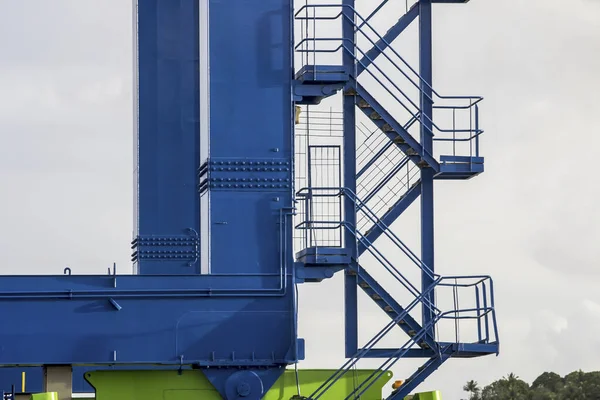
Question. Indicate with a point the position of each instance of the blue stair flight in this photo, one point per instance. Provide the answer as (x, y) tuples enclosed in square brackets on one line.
[(451, 152)]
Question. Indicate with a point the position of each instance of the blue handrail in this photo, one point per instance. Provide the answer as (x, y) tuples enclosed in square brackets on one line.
[(370, 345), (309, 193), (387, 264), (418, 114), (378, 8), (375, 11), (393, 359), (386, 179), (474, 100), (381, 151), (365, 22), (390, 361), (480, 312)]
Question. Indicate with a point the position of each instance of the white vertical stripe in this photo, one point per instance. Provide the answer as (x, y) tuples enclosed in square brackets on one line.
[(204, 79), (135, 54), (204, 83)]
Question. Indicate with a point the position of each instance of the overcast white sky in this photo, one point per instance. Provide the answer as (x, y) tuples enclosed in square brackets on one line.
[(530, 220)]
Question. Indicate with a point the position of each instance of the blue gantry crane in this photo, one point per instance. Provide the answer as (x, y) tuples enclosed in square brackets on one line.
[(238, 201)]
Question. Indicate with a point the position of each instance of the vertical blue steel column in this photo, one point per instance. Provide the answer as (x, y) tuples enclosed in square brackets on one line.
[(427, 208), (166, 206), (351, 287)]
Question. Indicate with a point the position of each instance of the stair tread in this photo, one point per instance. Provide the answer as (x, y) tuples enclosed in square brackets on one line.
[(365, 101), (389, 305)]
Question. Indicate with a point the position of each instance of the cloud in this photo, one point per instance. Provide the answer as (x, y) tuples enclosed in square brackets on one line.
[(530, 221)]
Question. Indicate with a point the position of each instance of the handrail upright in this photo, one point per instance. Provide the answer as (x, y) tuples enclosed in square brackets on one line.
[(473, 100)]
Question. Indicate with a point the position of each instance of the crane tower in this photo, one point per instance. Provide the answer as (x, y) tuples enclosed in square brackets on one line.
[(246, 187)]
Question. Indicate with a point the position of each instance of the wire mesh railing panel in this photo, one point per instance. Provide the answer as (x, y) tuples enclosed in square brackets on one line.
[(318, 155), (324, 166), (393, 81), (320, 123), (384, 175)]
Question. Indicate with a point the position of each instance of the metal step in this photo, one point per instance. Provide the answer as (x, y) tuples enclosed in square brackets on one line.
[(386, 302), (368, 105), (422, 373)]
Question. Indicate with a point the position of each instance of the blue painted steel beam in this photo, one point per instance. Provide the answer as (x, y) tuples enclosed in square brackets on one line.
[(419, 376), (166, 201), (90, 287), (171, 313), (350, 313), (349, 181), (147, 319), (382, 44), (427, 174)]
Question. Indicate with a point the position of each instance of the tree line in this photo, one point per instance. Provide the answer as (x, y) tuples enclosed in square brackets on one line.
[(577, 385)]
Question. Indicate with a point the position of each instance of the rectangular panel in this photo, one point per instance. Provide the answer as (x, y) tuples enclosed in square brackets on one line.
[(325, 208), (168, 143), (251, 121)]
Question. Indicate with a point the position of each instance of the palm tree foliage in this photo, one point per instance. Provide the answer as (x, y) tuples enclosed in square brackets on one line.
[(577, 385)]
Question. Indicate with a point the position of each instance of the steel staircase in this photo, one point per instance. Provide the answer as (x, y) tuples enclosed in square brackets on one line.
[(420, 343), (390, 127), (387, 303), (387, 183)]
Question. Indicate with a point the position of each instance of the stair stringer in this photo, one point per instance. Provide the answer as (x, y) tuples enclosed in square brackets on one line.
[(389, 126), (422, 373), (390, 306)]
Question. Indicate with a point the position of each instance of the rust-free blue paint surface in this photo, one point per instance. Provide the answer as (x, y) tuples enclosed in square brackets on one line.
[(242, 313)]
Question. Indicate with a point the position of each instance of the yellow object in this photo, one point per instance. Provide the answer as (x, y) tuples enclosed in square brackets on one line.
[(397, 384), (298, 111), (45, 396), (23, 382)]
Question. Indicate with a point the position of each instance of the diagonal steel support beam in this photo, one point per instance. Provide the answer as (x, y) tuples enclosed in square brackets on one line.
[(389, 217), (388, 38)]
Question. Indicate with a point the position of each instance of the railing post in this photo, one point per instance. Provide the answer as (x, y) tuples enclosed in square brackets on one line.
[(478, 305), (477, 130), (427, 174), (349, 181), (487, 314)]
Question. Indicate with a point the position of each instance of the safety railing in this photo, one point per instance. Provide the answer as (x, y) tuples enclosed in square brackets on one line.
[(312, 226), (461, 126), (319, 123), (480, 289), (374, 147), (456, 312), (384, 186), (408, 4), (385, 173), (482, 312), (483, 294), (316, 228), (351, 362)]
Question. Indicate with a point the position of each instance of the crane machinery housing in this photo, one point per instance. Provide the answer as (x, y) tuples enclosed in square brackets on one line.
[(240, 197)]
